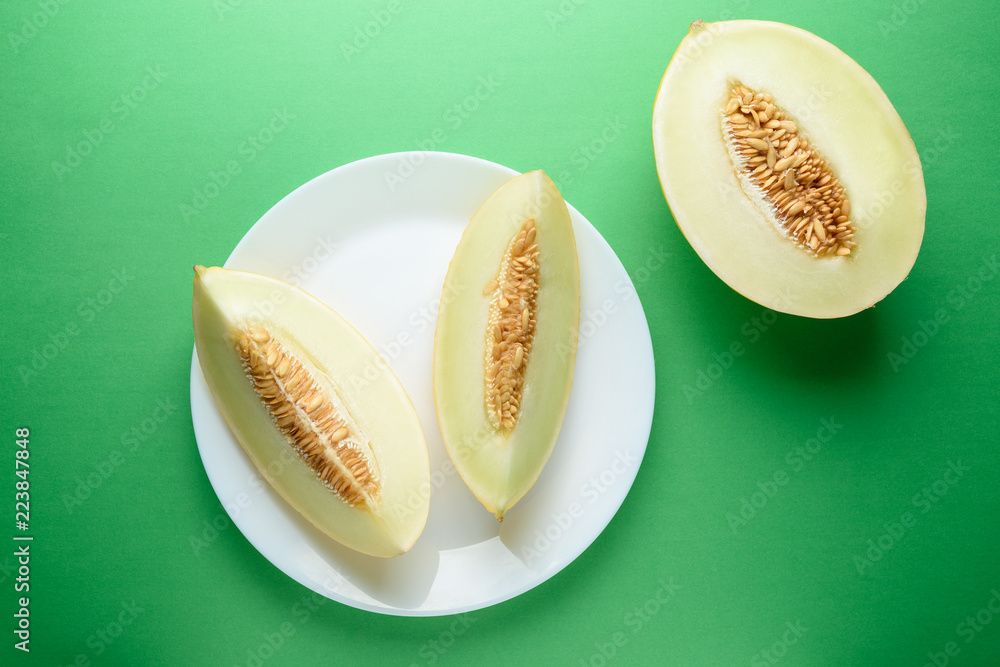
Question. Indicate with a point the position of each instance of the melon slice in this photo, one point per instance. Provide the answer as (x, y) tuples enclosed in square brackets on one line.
[(505, 342), (288, 374), (787, 168)]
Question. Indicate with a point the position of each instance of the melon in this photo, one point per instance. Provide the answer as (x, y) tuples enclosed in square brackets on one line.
[(787, 169)]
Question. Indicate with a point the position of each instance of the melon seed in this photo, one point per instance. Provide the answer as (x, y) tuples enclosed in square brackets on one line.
[(801, 173), (311, 417), (511, 320)]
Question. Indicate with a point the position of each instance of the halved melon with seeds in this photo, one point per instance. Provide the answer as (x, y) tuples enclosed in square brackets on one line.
[(288, 373), (505, 343), (787, 168)]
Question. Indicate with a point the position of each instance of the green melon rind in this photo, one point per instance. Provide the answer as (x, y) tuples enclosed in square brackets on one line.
[(500, 470)]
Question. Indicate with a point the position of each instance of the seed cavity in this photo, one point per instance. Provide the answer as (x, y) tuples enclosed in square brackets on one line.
[(776, 162), (511, 327), (312, 418)]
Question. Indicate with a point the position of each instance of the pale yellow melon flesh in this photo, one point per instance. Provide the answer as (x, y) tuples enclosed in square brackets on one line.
[(847, 118), (500, 465), (226, 303)]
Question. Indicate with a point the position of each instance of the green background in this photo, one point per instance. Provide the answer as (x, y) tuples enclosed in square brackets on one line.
[(96, 269)]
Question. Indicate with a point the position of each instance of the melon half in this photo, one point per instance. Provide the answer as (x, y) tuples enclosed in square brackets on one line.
[(787, 168)]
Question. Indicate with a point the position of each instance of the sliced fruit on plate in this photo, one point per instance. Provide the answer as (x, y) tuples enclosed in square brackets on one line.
[(343, 446), (505, 343)]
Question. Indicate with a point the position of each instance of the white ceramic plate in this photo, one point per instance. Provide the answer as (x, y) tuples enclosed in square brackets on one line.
[(373, 240)]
